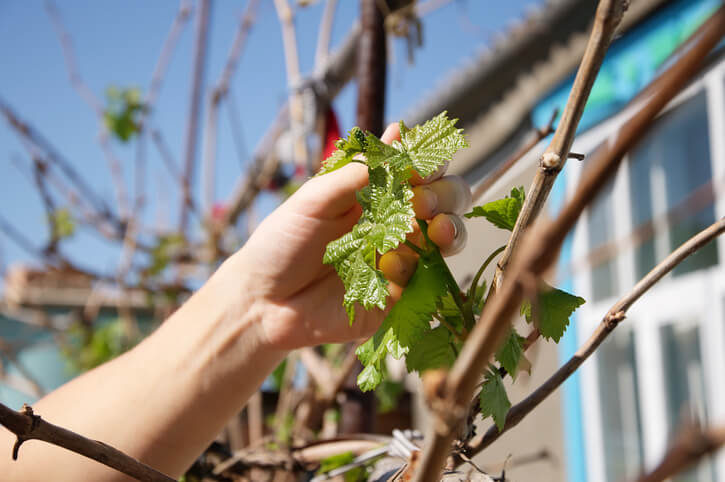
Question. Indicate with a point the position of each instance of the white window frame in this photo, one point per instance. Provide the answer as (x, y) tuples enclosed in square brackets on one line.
[(699, 295)]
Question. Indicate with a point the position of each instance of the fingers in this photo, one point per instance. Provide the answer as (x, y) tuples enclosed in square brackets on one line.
[(331, 195), (398, 266), (416, 180), (450, 194), (448, 232), (392, 133)]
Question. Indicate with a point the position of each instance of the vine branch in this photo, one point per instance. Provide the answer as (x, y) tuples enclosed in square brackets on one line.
[(690, 445), (608, 16), (611, 320), (28, 426)]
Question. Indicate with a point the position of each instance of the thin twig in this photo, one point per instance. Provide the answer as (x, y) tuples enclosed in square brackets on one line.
[(691, 444), (533, 140), (174, 170), (162, 63), (535, 255), (201, 41), (28, 426), (324, 35), (114, 165), (26, 132), (70, 60), (610, 321), (337, 72), (608, 16), (294, 81), (215, 98)]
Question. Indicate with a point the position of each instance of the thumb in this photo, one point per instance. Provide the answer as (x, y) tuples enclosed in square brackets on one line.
[(331, 195)]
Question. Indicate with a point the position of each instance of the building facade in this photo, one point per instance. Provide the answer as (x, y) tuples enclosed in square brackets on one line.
[(666, 362)]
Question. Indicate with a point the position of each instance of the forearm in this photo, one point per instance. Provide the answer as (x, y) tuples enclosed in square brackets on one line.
[(164, 401)]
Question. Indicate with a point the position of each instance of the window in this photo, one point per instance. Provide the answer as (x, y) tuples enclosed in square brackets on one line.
[(600, 226), (620, 406), (669, 175), (684, 386)]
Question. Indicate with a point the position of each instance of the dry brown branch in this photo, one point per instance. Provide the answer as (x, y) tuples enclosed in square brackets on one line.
[(201, 39), (294, 81), (71, 62), (610, 321), (456, 390), (28, 426), (323, 37), (690, 445), (608, 16), (114, 165), (330, 80), (255, 418), (33, 138), (174, 170), (533, 140), (162, 63), (215, 98), (698, 199), (318, 368)]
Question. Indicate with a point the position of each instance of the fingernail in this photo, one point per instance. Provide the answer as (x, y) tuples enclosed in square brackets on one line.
[(460, 236), (431, 200), (425, 202)]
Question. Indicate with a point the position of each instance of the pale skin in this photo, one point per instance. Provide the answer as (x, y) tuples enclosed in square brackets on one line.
[(164, 401)]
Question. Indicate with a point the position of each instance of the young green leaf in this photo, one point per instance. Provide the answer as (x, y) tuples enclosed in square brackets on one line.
[(336, 461), (509, 354), (503, 212), (493, 400), (346, 150), (387, 218), (386, 202), (62, 223), (433, 143), (555, 306), (406, 324)]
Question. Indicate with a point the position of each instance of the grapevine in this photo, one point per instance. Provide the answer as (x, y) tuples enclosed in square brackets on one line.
[(429, 322)]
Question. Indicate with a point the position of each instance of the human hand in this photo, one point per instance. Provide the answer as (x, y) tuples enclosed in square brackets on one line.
[(299, 299)]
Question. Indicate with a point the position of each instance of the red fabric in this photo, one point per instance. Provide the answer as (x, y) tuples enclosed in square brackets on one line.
[(332, 133)]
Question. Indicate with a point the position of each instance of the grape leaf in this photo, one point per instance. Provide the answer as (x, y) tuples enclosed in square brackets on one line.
[(387, 218), (122, 115), (386, 201), (503, 212), (346, 150), (555, 306), (432, 144), (433, 350), (509, 354), (62, 223), (406, 324), (424, 148), (388, 394), (493, 400)]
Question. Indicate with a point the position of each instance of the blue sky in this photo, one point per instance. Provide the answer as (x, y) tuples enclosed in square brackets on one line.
[(118, 42)]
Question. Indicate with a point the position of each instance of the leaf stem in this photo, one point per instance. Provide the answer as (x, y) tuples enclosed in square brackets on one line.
[(474, 283), (458, 336), (455, 290), (415, 248)]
